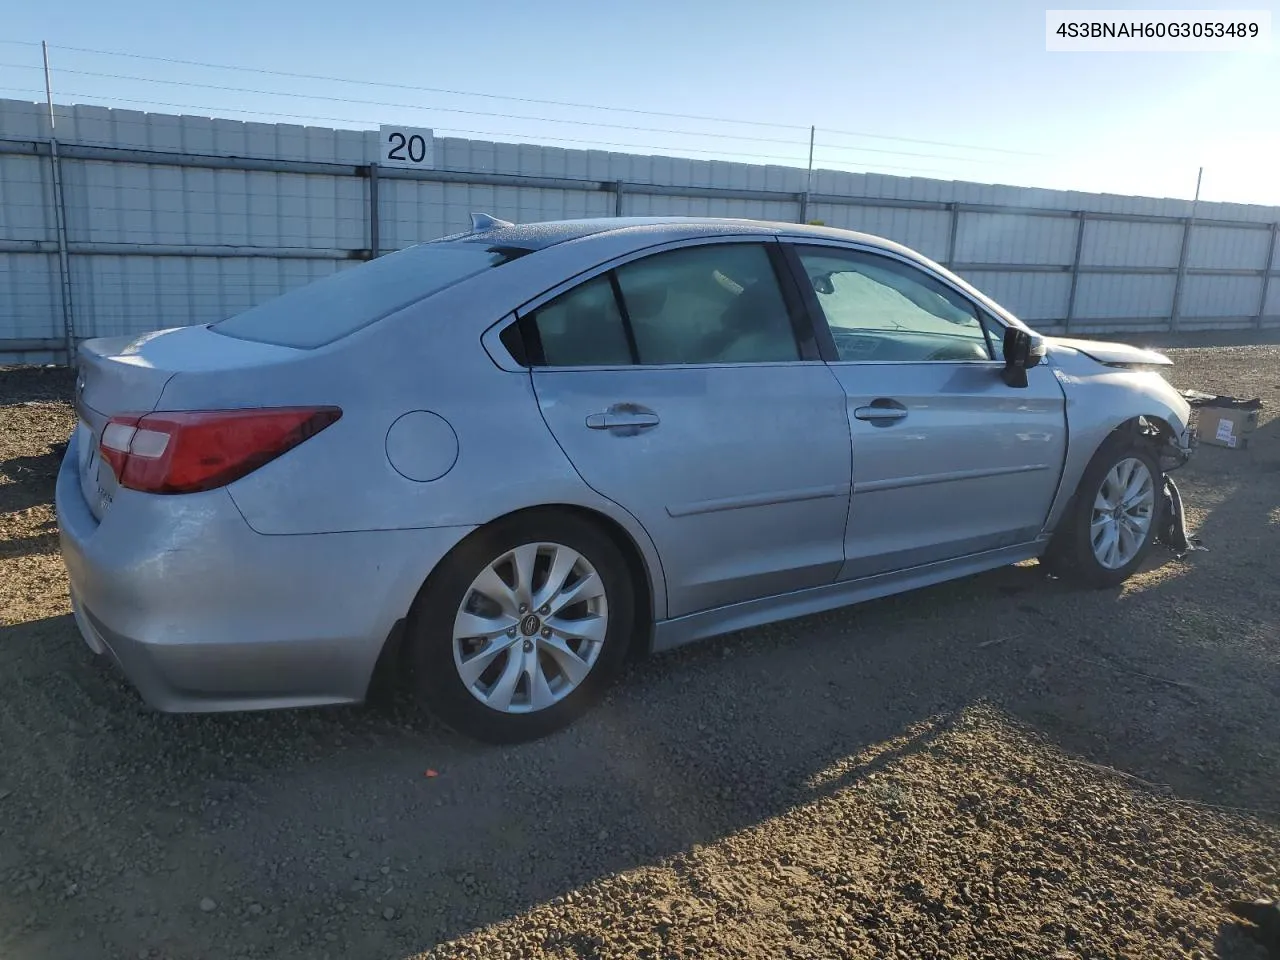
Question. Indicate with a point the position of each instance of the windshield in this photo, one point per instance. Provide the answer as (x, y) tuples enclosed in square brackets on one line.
[(339, 305)]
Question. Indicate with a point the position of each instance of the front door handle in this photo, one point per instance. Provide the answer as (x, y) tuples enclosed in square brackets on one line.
[(626, 416), (881, 411)]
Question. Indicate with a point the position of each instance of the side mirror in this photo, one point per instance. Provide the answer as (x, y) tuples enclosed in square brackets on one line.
[(1022, 350)]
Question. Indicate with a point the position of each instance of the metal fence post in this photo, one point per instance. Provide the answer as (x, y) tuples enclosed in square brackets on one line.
[(808, 182), (64, 261), (1175, 313), (619, 191), (375, 235), (1075, 272), (952, 227), (1267, 267)]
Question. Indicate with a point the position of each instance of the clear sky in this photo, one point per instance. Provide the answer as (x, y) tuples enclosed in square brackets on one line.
[(974, 77)]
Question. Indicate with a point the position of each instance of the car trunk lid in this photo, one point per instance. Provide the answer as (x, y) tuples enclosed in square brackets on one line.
[(119, 376)]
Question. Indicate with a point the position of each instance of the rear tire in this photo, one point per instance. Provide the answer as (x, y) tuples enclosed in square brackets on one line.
[(1111, 522), (550, 601)]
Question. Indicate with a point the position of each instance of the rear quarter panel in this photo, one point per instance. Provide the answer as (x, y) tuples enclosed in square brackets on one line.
[(427, 357)]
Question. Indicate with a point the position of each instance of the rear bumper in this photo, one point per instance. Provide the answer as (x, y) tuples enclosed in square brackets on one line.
[(203, 614)]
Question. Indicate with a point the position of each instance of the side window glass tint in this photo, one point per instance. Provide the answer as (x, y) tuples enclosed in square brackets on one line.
[(882, 309), (583, 327), (707, 304)]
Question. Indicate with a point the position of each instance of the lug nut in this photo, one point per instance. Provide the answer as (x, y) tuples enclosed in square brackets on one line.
[(546, 633), (524, 608), (544, 610), (511, 632)]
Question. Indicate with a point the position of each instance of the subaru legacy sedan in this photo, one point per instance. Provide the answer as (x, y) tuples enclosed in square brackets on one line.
[(497, 463)]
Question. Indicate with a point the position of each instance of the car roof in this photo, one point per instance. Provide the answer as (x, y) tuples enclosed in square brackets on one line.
[(538, 236), (597, 239)]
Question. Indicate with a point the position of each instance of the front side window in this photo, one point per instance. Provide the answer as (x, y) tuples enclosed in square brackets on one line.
[(717, 303), (880, 309)]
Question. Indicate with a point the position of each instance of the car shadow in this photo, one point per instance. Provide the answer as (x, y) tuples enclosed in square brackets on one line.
[(31, 480), (23, 386), (1237, 941), (41, 543)]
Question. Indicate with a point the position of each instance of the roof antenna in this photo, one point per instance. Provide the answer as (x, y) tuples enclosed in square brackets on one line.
[(482, 221)]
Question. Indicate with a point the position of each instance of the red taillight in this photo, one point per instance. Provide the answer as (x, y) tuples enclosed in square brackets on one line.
[(199, 450)]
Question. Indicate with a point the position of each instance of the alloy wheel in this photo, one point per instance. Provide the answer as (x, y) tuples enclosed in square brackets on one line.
[(1122, 513), (530, 628)]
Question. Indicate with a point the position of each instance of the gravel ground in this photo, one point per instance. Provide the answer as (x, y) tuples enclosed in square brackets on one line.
[(999, 767)]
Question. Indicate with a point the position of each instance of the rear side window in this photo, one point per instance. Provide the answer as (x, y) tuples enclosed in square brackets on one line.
[(583, 328), (715, 303), (339, 305), (708, 304)]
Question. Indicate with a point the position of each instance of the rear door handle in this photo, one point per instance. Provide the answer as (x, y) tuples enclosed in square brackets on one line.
[(881, 411), (615, 417)]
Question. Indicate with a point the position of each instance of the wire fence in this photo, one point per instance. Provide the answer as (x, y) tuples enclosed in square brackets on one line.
[(738, 138), (116, 221)]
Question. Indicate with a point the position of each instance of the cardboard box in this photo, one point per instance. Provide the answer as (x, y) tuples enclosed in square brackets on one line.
[(1226, 426)]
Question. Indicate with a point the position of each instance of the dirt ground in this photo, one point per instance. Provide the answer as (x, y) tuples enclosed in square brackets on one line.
[(998, 767)]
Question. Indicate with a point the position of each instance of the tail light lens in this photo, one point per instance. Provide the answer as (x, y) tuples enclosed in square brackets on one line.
[(200, 450)]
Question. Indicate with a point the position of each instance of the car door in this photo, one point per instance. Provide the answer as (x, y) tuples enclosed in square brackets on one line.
[(682, 387), (948, 460)]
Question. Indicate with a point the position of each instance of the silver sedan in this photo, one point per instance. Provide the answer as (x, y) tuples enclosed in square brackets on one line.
[(499, 462)]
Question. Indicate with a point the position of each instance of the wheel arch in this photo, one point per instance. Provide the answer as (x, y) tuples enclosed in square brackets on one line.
[(1151, 429), (648, 583), (645, 580)]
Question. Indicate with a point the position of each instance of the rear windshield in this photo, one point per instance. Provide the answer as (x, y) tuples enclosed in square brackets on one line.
[(339, 305)]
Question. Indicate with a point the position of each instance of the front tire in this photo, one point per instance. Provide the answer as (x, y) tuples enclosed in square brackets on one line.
[(522, 627), (1112, 520)]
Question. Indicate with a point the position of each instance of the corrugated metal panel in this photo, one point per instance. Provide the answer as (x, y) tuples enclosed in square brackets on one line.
[(1105, 328), (117, 202), (925, 230), (1272, 308), (29, 296), (1224, 247), (649, 205), (1125, 244), (1216, 323), (414, 211), (1219, 296), (26, 199), (1099, 296), (1031, 296), (37, 358), (1010, 238), (23, 120), (142, 203), (133, 294)]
